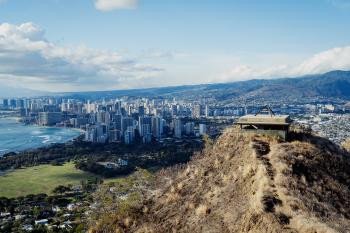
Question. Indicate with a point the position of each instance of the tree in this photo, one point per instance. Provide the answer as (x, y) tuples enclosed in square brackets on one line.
[(80, 229), (61, 189), (36, 212)]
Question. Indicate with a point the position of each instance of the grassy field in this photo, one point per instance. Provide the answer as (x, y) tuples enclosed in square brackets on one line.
[(40, 179)]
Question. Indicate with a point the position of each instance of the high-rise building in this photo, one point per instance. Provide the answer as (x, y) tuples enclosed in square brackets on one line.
[(129, 135), (101, 117), (177, 128), (114, 135), (141, 110), (125, 123), (117, 119), (130, 110), (78, 108), (96, 133), (49, 118), (91, 133), (64, 107), (102, 133), (5, 103), (108, 118), (118, 106), (79, 121), (145, 124), (196, 113), (207, 111), (173, 110), (50, 108), (12, 103), (52, 101), (19, 103), (90, 108), (157, 127)]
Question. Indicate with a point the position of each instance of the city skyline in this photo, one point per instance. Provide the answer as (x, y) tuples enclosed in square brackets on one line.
[(125, 44)]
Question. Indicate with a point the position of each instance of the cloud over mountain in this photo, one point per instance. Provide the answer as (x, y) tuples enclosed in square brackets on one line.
[(332, 59)]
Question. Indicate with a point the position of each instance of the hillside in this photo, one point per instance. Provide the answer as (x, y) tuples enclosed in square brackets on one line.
[(249, 184), (334, 84)]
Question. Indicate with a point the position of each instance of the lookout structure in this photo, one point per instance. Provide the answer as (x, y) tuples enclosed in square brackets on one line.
[(265, 122)]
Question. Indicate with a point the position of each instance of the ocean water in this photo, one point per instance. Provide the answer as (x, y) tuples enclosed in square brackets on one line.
[(15, 136)]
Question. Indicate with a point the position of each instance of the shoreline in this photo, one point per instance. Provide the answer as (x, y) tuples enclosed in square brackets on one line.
[(4, 151)]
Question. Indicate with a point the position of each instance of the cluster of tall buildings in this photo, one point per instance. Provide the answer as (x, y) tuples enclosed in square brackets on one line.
[(127, 121), (117, 121), (114, 127), (143, 106), (13, 103)]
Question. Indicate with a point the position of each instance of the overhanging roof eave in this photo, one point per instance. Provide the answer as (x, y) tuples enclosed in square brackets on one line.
[(261, 123)]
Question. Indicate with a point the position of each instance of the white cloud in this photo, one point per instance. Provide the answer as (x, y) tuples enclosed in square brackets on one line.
[(333, 59), (29, 60), (246, 72), (108, 5)]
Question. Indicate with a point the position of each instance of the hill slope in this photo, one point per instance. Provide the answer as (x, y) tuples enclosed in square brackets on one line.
[(252, 184)]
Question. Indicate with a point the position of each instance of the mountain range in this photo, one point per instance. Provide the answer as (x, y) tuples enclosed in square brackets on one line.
[(334, 84)]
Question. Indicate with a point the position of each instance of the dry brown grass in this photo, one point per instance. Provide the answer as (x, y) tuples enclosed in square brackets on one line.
[(248, 183), (202, 210), (346, 145)]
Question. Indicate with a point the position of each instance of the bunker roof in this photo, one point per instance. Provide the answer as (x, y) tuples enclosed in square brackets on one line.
[(264, 120)]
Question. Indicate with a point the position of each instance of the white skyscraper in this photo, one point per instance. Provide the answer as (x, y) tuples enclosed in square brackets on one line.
[(207, 111)]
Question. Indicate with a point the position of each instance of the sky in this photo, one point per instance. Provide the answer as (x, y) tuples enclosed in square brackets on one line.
[(88, 45)]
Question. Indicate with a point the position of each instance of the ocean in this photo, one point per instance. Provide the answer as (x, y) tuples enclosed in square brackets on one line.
[(15, 136)]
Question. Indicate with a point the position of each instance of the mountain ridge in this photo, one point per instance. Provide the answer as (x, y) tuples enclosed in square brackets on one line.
[(333, 84)]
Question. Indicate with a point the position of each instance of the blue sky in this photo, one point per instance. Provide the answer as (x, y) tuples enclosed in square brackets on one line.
[(117, 44)]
